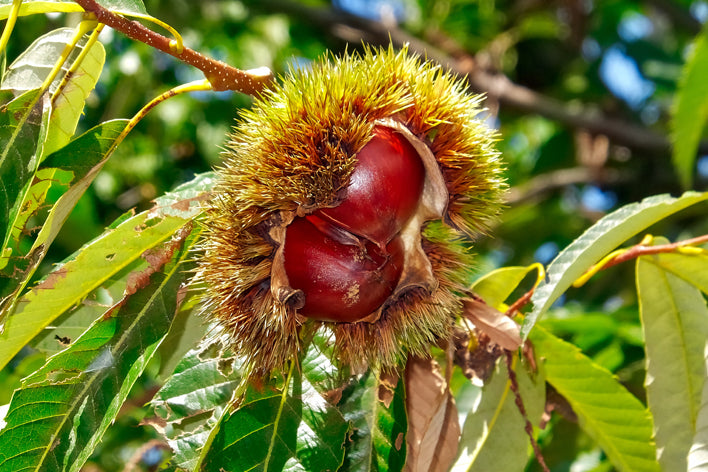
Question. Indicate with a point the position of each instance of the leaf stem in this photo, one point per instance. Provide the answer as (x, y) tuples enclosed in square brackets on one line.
[(221, 75), (10, 24), (644, 248)]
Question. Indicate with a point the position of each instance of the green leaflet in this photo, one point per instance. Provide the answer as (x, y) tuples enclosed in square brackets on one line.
[(61, 412), (64, 172), (98, 261), (378, 419), (698, 454), (288, 425), (606, 410), (493, 436), (32, 67), (690, 110), (674, 315), (31, 7), (23, 125), (200, 388), (20, 127), (496, 286), (597, 241)]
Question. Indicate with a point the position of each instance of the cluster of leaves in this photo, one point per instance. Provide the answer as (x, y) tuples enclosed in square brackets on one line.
[(78, 345)]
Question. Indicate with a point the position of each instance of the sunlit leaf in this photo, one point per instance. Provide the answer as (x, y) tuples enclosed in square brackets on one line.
[(674, 315), (32, 67), (59, 415), (698, 454), (496, 286), (377, 412), (23, 124), (189, 328), (66, 173), (74, 280), (601, 238), (611, 415), (690, 110), (32, 7), (493, 436), (200, 389), (692, 268), (279, 426), (69, 326)]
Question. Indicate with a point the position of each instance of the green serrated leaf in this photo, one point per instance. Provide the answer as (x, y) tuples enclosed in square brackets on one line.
[(601, 238), (108, 254), (193, 400), (188, 329), (290, 426), (32, 7), (30, 69), (378, 418), (690, 111), (493, 436), (72, 324), (611, 415), (674, 314), (61, 412), (71, 177), (693, 268), (20, 123), (496, 286), (23, 125)]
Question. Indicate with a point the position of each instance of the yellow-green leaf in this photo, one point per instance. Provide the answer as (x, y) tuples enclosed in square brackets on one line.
[(675, 323)]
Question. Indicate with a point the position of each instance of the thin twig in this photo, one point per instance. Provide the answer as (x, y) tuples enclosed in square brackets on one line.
[(221, 75), (528, 427)]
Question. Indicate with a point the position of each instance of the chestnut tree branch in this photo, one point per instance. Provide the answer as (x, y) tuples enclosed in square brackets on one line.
[(509, 94), (220, 75)]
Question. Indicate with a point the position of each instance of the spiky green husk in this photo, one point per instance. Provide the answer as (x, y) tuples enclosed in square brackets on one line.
[(294, 152)]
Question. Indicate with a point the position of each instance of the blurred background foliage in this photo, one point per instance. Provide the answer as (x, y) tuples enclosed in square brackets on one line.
[(580, 91)]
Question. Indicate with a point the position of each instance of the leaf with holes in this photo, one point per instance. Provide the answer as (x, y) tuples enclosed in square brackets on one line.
[(286, 424), (99, 260), (193, 400), (61, 412), (376, 409)]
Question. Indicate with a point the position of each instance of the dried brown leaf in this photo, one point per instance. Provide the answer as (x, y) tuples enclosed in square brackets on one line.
[(433, 426), (500, 328)]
